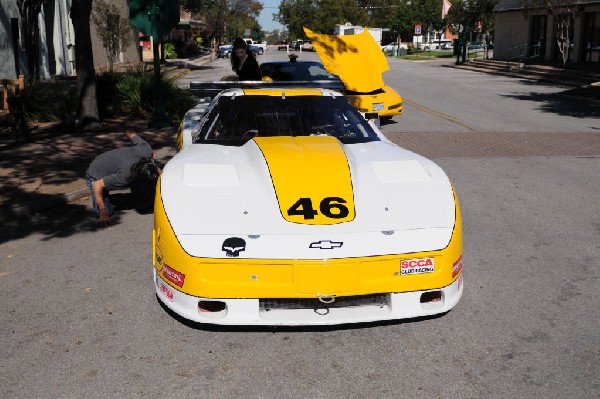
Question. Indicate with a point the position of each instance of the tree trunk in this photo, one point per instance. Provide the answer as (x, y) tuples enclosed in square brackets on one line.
[(84, 62)]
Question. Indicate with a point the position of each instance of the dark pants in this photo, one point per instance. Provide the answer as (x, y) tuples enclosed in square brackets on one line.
[(107, 204)]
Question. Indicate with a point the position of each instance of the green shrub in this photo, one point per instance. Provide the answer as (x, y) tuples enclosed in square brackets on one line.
[(170, 51), (132, 93), (39, 102), (177, 100)]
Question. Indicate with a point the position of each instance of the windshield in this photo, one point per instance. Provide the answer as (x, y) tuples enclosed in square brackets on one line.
[(291, 71), (235, 120)]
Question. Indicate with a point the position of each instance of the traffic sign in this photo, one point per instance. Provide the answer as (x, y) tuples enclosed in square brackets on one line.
[(417, 29)]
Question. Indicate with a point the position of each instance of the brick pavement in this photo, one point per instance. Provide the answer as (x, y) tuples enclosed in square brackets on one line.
[(477, 145)]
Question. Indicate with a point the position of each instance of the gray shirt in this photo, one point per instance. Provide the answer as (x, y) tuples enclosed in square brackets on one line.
[(114, 166)]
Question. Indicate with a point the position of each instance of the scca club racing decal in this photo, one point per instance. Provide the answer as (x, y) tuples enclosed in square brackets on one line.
[(173, 275), (417, 266)]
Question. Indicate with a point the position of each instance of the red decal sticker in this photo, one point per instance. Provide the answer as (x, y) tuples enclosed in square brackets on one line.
[(167, 291), (173, 275), (457, 267), (417, 266)]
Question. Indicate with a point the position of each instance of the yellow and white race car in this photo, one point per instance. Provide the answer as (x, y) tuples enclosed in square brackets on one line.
[(286, 207)]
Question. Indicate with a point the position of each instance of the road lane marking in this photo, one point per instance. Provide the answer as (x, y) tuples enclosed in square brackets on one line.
[(440, 115)]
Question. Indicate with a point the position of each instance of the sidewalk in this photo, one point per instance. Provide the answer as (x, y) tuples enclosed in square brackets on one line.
[(50, 170), (192, 63)]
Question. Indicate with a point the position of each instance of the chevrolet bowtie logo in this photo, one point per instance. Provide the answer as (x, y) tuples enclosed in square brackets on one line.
[(326, 244)]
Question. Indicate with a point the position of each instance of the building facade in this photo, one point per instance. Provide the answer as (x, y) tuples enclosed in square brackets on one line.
[(57, 40), (531, 32)]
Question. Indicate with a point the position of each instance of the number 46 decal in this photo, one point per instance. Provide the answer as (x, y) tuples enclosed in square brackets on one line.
[(331, 207)]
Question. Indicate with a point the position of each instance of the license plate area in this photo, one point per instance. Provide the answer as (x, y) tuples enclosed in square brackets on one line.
[(326, 278), (378, 107)]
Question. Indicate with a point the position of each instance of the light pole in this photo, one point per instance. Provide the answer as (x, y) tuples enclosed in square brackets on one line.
[(159, 118)]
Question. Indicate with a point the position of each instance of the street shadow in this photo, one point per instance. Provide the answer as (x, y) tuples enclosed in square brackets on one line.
[(562, 103), (388, 121), (191, 67), (36, 175), (60, 222)]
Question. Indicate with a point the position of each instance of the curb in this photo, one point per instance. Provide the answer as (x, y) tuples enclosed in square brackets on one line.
[(190, 63)]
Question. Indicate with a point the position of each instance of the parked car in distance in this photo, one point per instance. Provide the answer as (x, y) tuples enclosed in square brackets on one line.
[(475, 46), (282, 45), (307, 46), (436, 45), (224, 51), (393, 46), (256, 50), (251, 42), (296, 44)]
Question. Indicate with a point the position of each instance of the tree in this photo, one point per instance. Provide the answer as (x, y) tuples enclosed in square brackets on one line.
[(465, 14), (84, 62), (226, 18), (30, 10), (379, 13), (563, 16), (113, 30), (319, 15)]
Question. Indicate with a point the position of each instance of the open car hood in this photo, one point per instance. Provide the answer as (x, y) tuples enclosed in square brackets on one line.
[(356, 59)]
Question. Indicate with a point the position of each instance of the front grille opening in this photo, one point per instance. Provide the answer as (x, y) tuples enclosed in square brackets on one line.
[(379, 300), (211, 306), (432, 300), (431, 297)]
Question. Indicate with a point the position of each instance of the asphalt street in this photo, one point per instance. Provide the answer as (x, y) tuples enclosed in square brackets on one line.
[(80, 318)]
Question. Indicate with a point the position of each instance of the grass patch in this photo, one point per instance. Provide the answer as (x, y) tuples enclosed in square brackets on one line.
[(425, 55)]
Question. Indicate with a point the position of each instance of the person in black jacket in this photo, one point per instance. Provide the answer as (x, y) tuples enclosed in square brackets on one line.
[(243, 62)]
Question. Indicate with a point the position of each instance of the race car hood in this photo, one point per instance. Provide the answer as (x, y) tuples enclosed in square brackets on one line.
[(356, 59), (393, 197)]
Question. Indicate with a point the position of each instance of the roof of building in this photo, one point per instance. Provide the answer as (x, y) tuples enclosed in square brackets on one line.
[(513, 5)]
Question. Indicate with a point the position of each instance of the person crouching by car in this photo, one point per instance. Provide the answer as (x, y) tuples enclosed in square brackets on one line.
[(243, 62), (128, 167)]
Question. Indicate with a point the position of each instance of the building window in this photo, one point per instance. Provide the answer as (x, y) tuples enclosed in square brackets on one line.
[(114, 48), (591, 37)]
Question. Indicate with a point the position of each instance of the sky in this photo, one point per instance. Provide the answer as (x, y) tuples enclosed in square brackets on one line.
[(265, 19)]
